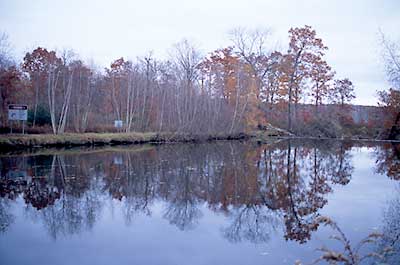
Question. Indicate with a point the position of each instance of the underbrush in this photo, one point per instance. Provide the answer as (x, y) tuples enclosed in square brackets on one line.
[(329, 128)]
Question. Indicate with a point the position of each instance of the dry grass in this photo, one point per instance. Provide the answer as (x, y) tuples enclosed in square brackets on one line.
[(71, 139), (16, 141), (350, 255)]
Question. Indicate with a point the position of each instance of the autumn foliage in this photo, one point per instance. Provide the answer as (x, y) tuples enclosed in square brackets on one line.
[(238, 88)]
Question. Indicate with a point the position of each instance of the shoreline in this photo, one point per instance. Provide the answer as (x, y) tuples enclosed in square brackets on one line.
[(18, 141), (33, 141)]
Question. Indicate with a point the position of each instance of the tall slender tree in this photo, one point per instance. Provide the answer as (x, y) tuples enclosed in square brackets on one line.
[(305, 49)]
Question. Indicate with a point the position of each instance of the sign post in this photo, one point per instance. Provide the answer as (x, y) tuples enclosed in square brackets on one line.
[(18, 112)]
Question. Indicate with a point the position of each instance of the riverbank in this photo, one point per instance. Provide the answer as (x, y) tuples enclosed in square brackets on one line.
[(18, 141), (12, 142)]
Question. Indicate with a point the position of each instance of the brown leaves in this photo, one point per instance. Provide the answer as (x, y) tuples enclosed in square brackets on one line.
[(304, 39), (40, 60), (222, 68), (390, 100), (11, 88)]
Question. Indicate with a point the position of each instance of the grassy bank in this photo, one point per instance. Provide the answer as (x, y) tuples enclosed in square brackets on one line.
[(19, 141), (15, 141)]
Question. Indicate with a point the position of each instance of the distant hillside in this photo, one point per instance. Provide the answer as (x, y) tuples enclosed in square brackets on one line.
[(366, 114)]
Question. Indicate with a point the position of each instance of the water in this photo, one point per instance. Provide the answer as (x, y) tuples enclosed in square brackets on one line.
[(217, 203)]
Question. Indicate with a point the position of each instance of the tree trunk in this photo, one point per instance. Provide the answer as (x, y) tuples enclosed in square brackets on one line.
[(36, 101)]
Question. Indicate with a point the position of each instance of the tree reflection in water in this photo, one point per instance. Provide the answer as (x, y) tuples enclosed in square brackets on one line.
[(258, 187), (6, 218), (391, 230), (388, 160), (251, 222)]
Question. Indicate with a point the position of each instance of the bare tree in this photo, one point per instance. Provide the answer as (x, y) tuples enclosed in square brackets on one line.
[(5, 51), (391, 58), (83, 89), (251, 46), (186, 58)]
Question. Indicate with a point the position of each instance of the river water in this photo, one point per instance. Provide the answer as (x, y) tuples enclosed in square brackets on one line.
[(213, 203)]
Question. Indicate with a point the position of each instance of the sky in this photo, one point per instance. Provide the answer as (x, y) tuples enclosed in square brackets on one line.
[(101, 31)]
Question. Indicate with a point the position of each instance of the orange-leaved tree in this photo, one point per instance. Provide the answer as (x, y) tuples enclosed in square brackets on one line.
[(305, 50), (38, 64)]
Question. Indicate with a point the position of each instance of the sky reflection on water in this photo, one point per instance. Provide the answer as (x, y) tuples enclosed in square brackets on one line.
[(220, 203)]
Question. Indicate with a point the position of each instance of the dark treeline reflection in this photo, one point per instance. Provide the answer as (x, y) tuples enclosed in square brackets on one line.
[(391, 231), (258, 187), (388, 160), (388, 163)]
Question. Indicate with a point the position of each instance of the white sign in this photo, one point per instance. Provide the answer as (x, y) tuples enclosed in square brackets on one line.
[(118, 124), (118, 160), (17, 112)]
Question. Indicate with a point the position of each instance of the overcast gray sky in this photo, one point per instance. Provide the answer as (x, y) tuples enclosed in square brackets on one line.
[(106, 30)]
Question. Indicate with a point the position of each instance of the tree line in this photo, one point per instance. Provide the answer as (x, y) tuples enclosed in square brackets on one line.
[(233, 89)]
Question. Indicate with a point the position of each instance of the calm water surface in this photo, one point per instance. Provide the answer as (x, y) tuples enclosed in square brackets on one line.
[(219, 203)]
